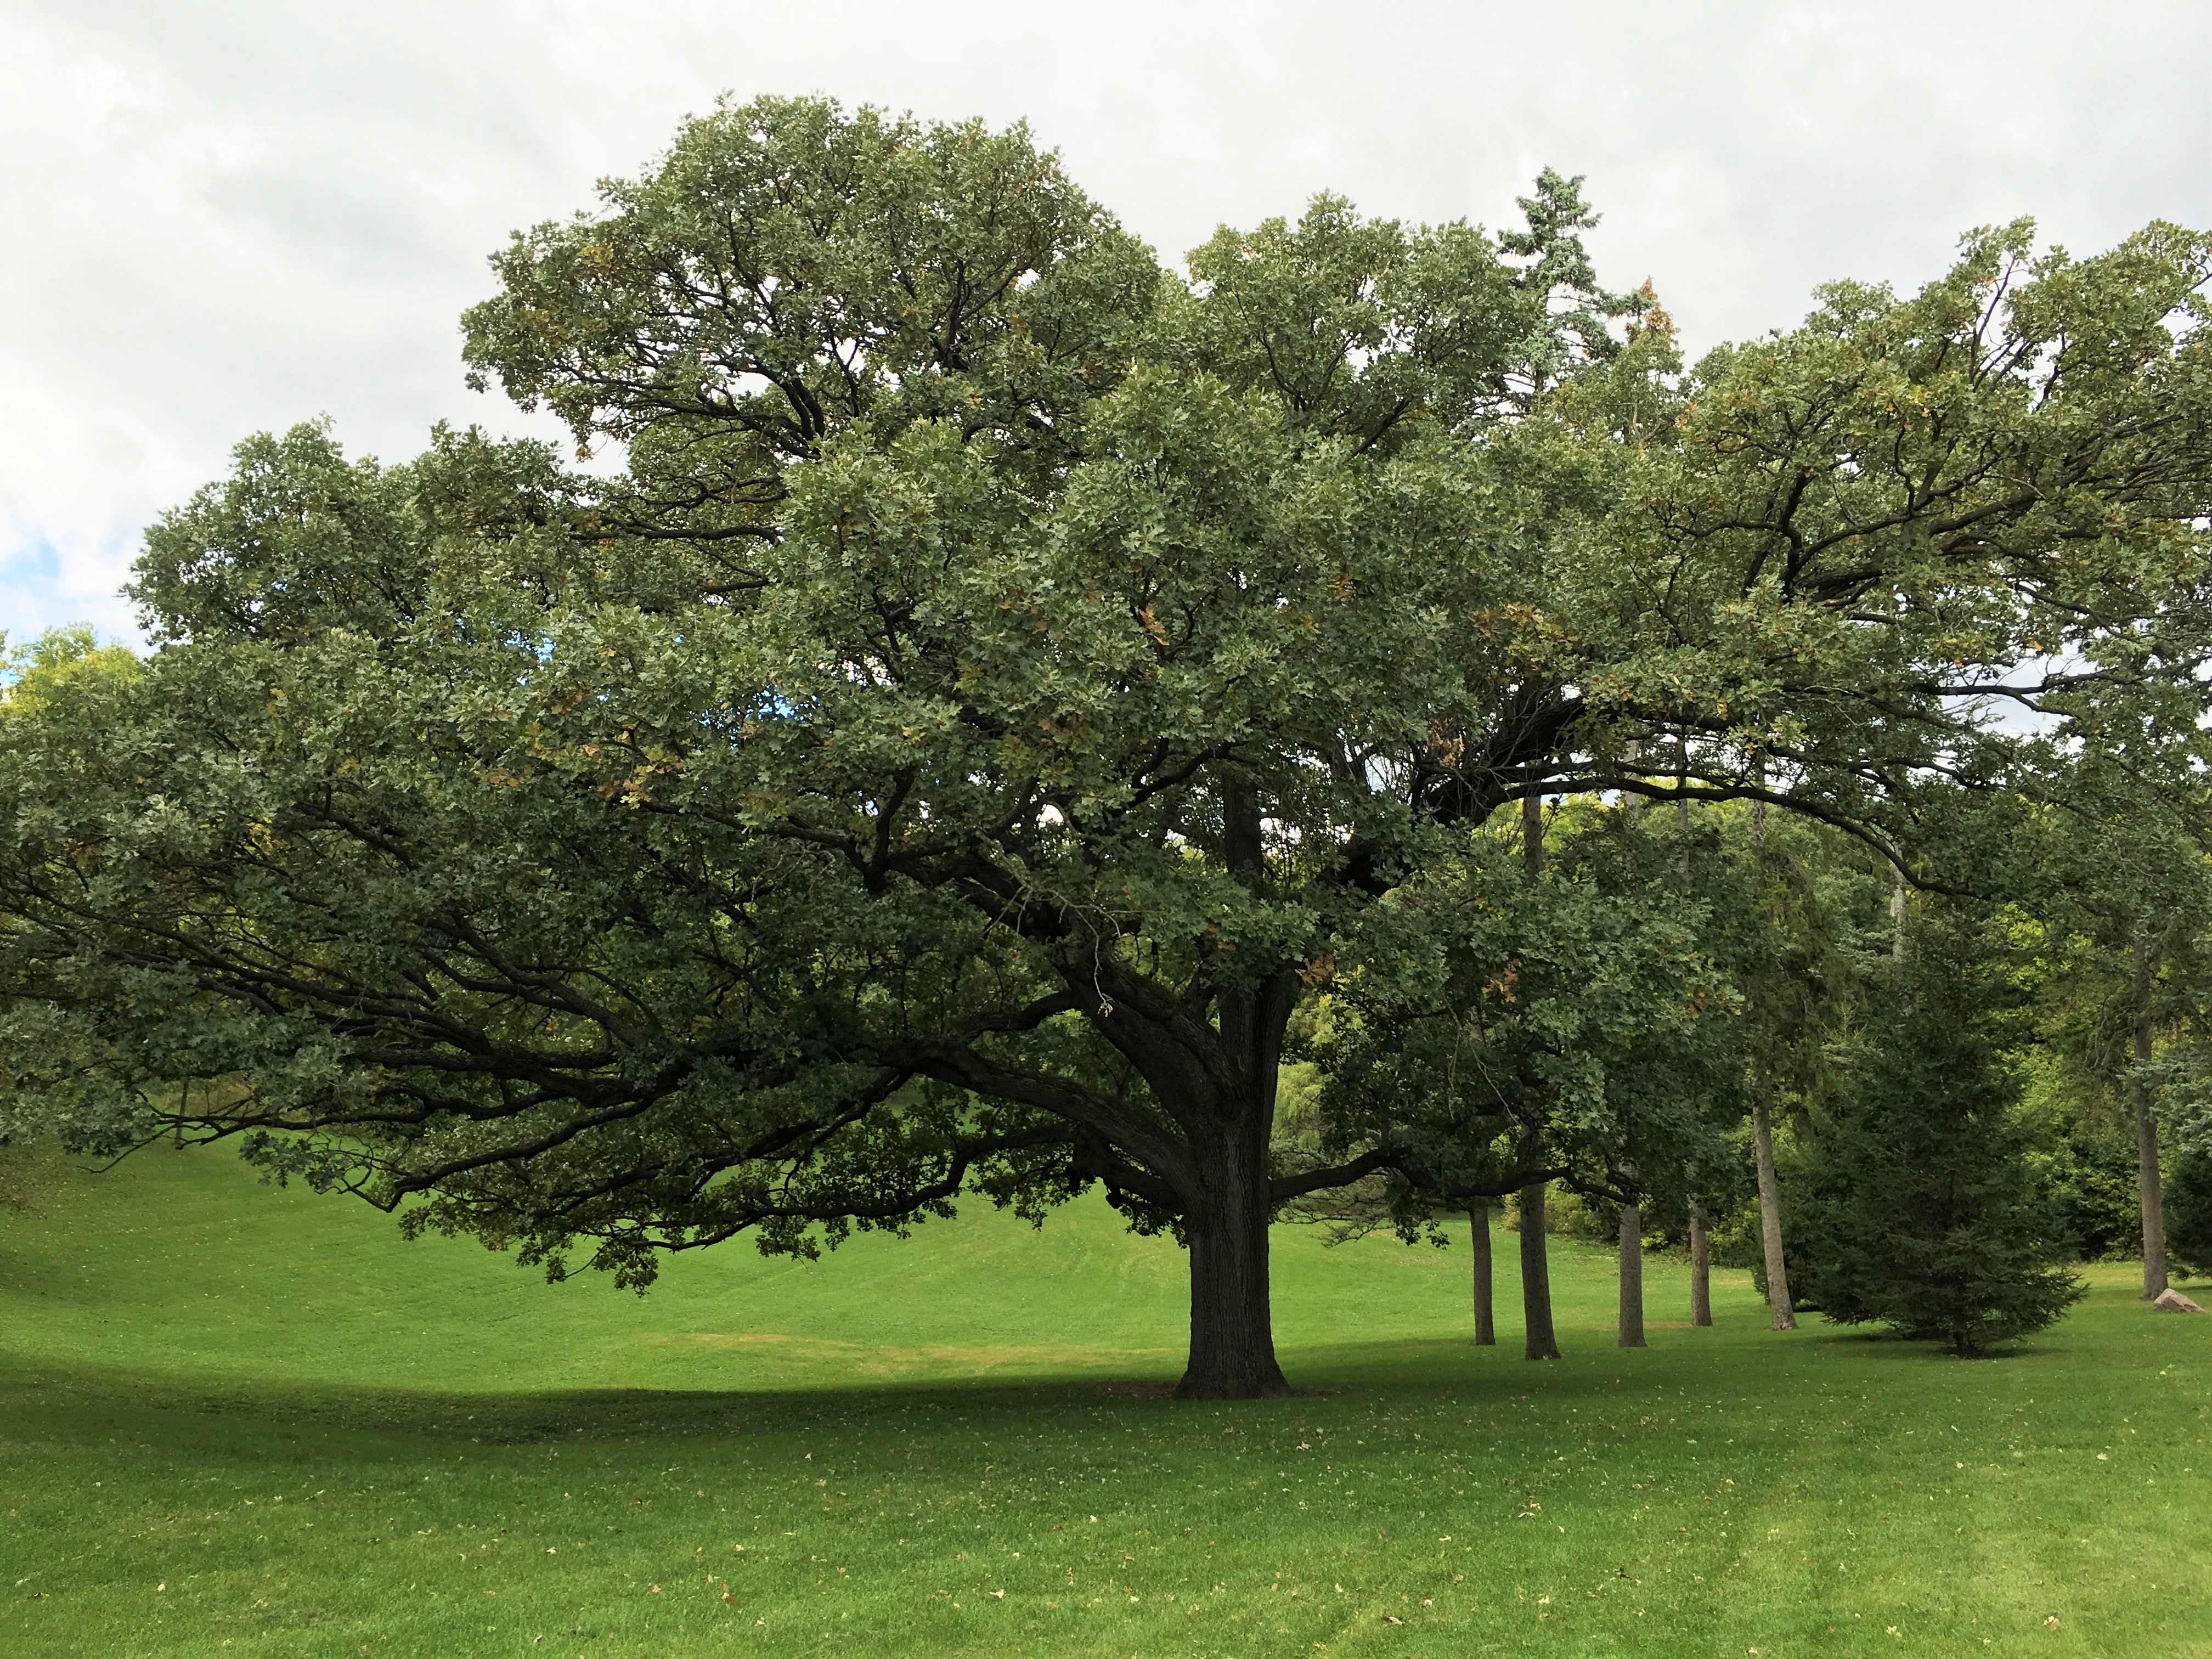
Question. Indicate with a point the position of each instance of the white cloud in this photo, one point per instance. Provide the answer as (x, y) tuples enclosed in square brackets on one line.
[(229, 215)]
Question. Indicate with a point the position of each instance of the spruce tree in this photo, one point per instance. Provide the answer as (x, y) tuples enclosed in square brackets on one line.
[(1923, 1211)]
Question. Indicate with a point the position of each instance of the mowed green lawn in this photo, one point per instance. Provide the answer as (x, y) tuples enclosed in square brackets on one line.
[(237, 1420)]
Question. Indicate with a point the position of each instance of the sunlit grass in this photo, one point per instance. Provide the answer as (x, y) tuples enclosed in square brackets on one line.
[(235, 1421)]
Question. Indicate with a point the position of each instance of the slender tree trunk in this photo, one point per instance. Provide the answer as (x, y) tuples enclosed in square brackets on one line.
[(1769, 1218), (1897, 913), (2146, 1181), (1632, 1276), (1232, 1341), (1701, 1266), (1535, 1265), (1785, 1317), (1486, 1312), (1536, 1278), (1701, 1260)]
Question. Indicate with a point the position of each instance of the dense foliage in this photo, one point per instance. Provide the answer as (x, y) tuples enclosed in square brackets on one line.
[(1001, 679)]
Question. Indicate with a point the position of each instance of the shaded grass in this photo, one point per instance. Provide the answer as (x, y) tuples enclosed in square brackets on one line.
[(236, 1420)]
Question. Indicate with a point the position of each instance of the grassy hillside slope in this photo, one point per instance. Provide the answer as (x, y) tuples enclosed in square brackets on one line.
[(238, 1420)]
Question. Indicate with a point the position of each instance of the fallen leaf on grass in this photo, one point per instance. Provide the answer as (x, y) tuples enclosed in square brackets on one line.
[(1392, 1618)]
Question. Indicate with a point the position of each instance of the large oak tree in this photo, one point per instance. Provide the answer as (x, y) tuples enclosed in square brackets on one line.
[(988, 678)]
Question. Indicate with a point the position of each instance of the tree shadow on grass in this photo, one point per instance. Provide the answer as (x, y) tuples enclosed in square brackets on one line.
[(65, 1404)]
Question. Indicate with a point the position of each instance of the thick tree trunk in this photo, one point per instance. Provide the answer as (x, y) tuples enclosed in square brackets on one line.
[(1227, 1126), (1536, 1278), (1632, 1276), (1770, 1219), (1486, 1320), (2146, 1181), (1232, 1339), (1701, 1266)]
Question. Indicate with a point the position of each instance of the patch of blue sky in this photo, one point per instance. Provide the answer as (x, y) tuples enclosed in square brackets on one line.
[(30, 589), (41, 587), (38, 559)]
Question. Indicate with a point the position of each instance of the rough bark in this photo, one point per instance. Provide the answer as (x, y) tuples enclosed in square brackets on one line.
[(1769, 1220), (1486, 1319), (1632, 1276), (1232, 1341), (1232, 1345), (1701, 1266), (2147, 1179)]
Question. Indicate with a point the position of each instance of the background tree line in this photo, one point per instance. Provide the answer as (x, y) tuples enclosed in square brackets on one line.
[(1954, 1092)]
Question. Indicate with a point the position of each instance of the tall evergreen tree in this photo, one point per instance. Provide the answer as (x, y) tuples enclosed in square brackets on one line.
[(1921, 1210)]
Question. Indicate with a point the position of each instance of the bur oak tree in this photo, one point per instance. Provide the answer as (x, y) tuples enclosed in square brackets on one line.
[(988, 678)]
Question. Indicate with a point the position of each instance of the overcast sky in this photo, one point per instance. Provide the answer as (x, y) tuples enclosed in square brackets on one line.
[(224, 217)]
